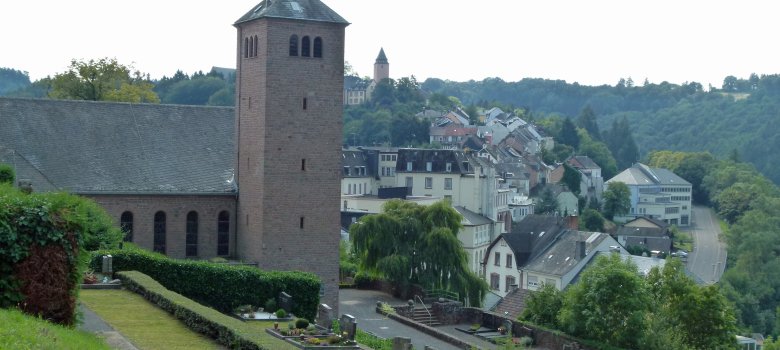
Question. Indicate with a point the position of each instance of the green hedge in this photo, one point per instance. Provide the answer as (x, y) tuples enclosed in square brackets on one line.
[(212, 323), (221, 286)]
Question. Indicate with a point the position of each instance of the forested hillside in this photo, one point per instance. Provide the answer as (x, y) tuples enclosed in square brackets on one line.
[(737, 120)]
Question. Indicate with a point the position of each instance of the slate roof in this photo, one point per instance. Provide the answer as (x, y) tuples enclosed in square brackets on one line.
[(531, 236), (513, 303), (654, 221), (381, 58), (560, 258), (661, 244), (472, 217), (105, 147), (355, 158), (438, 158), (309, 10), (640, 174), (641, 232), (582, 162)]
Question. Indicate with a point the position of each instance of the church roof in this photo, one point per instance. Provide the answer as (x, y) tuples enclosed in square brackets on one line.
[(381, 58), (89, 147), (310, 10)]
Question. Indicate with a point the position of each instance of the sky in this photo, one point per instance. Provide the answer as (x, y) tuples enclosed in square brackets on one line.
[(590, 42)]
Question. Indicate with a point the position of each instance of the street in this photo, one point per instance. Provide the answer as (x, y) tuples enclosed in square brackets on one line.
[(708, 259)]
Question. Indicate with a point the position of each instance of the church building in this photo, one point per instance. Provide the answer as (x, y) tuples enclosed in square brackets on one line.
[(259, 182)]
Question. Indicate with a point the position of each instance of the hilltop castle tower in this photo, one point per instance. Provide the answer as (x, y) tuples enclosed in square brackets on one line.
[(289, 92), (381, 67)]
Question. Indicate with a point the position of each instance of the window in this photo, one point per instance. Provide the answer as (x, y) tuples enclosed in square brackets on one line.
[(510, 283), (126, 223), (223, 233), (346, 171), (192, 234), (304, 103), (301, 222), (317, 47), (251, 47), (393, 157), (449, 167), (409, 182), (447, 183), (549, 282), (345, 205), (159, 232), (428, 182), (533, 282), (246, 47), (305, 43), (255, 52), (428, 166), (408, 166), (294, 45), (303, 164), (497, 259), (494, 278), (509, 260)]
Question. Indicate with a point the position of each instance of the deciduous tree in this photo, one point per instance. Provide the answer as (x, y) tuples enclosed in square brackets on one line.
[(102, 80), (617, 200)]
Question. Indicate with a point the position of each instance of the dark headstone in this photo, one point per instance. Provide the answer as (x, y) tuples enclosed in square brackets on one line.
[(285, 302), (325, 316), (348, 324)]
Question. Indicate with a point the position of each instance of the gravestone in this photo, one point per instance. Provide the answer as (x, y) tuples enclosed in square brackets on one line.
[(285, 302), (325, 316), (402, 343), (107, 267), (348, 324)]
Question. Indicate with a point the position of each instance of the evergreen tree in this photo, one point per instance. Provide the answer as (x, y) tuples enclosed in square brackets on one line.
[(621, 143), (587, 121), (569, 134), (546, 203)]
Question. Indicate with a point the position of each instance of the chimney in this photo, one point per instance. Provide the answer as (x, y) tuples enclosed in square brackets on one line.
[(580, 250), (573, 222)]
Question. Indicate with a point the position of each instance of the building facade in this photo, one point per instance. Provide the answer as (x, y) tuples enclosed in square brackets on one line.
[(656, 193)]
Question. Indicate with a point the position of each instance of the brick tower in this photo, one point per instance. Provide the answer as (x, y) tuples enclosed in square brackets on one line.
[(289, 93), (381, 67)]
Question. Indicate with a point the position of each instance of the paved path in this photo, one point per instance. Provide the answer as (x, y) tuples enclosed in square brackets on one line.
[(362, 305), (91, 322), (708, 258)]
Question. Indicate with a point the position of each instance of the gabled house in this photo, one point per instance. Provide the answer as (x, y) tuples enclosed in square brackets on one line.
[(657, 193), (592, 184), (355, 90), (567, 201), (358, 172), (648, 233), (508, 253), (560, 264)]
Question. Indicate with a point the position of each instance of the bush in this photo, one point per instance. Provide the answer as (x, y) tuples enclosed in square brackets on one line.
[(42, 241), (301, 323), (7, 175), (281, 313), (221, 286), (270, 305)]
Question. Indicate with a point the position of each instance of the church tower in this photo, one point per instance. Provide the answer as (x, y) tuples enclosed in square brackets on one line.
[(381, 67), (289, 93)]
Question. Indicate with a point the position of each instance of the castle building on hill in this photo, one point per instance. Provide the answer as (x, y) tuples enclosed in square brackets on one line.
[(259, 182)]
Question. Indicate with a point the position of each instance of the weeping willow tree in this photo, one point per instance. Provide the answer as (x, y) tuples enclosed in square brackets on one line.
[(409, 243)]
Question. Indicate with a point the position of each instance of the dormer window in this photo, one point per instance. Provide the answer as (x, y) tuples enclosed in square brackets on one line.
[(449, 167), (428, 166)]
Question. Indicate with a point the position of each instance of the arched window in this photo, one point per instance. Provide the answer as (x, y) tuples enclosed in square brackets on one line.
[(294, 45), (317, 47), (126, 223), (251, 47), (192, 234), (159, 232), (305, 44), (223, 233), (255, 53), (246, 47)]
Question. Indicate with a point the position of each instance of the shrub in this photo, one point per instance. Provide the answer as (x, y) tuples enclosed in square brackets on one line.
[(42, 242), (270, 304), (301, 323), (7, 175), (236, 285), (281, 313)]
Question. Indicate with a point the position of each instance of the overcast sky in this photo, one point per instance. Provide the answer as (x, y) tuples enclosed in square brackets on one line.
[(591, 42)]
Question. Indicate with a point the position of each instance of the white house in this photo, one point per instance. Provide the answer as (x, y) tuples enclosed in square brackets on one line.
[(656, 193), (475, 237)]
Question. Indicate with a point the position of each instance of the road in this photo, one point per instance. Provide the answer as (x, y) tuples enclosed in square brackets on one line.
[(708, 259)]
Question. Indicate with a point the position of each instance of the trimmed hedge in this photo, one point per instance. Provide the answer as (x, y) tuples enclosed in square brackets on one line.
[(221, 286), (224, 329)]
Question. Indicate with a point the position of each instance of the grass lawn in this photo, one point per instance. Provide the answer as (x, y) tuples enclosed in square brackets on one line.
[(143, 323), (20, 331)]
